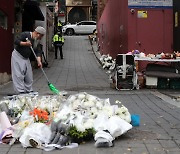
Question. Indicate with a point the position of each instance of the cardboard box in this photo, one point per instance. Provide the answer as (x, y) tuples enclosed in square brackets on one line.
[(151, 82)]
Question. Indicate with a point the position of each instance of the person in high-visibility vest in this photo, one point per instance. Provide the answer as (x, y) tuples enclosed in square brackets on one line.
[(58, 41), (59, 26), (59, 23)]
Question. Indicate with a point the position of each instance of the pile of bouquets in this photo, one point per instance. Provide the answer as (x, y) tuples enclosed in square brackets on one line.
[(81, 111), (56, 121), (39, 106), (107, 62)]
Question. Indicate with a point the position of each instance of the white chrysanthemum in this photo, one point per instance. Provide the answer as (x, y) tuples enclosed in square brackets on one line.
[(126, 117), (101, 59), (18, 104), (71, 98), (54, 105), (99, 105), (22, 99), (108, 110), (81, 96), (42, 105), (64, 113), (123, 113), (88, 104), (89, 124), (5, 101), (119, 111), (49, 107), (112, 67), (76, 104), (93, 112), (118, 102), (91, 98), (124, 108)]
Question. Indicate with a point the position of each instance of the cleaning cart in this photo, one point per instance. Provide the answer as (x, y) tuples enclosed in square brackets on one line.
[(125, 72)]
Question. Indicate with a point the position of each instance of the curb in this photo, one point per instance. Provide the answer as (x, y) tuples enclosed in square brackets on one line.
[(95, 51)]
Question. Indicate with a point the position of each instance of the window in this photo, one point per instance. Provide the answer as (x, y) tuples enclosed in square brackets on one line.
[(3, 20), (80, 23), (87, 23), (91, 23)]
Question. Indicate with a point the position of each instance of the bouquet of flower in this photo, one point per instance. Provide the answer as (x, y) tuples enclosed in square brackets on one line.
[(107, 62), (40, 115)]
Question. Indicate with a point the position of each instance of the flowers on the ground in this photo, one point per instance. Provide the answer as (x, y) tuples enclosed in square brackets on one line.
[(79, 111), (107, 62), (40, 115), (123, 113), (18, 103)]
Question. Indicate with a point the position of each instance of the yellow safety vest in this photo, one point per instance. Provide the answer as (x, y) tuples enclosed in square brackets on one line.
[(57, 38), (59, 24)]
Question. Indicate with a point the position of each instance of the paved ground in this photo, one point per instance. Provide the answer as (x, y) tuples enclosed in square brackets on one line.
[(159, 132)]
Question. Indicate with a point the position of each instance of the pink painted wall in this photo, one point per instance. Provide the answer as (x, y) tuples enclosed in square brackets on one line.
[(120, 31), (152, 34), (6, 36), (112, 28)]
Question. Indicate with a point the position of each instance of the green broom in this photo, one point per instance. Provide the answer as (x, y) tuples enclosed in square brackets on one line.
[(50, 85)]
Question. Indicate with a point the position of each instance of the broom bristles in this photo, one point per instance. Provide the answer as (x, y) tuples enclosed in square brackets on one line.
[(53, 88)]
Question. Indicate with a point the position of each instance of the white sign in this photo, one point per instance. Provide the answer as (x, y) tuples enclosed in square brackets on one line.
[(150, 3)]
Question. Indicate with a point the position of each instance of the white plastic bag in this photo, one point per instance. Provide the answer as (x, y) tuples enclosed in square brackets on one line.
[(100, 123), (39, 132), (117, 126)]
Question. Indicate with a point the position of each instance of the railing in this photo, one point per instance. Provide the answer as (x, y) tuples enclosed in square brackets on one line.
[(150, 2)]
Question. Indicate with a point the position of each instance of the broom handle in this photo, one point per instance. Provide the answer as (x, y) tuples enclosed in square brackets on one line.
[(37, 61)]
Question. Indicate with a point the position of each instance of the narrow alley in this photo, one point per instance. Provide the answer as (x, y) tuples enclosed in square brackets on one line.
[(80, 71)]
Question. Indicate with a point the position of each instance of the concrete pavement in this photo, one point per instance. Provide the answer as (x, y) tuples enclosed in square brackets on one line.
[(79, 71)]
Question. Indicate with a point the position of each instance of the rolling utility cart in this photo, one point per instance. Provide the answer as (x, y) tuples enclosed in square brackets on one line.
[(125, 73)]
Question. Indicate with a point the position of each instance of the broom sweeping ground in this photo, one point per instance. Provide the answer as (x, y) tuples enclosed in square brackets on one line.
[(50, 85)]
